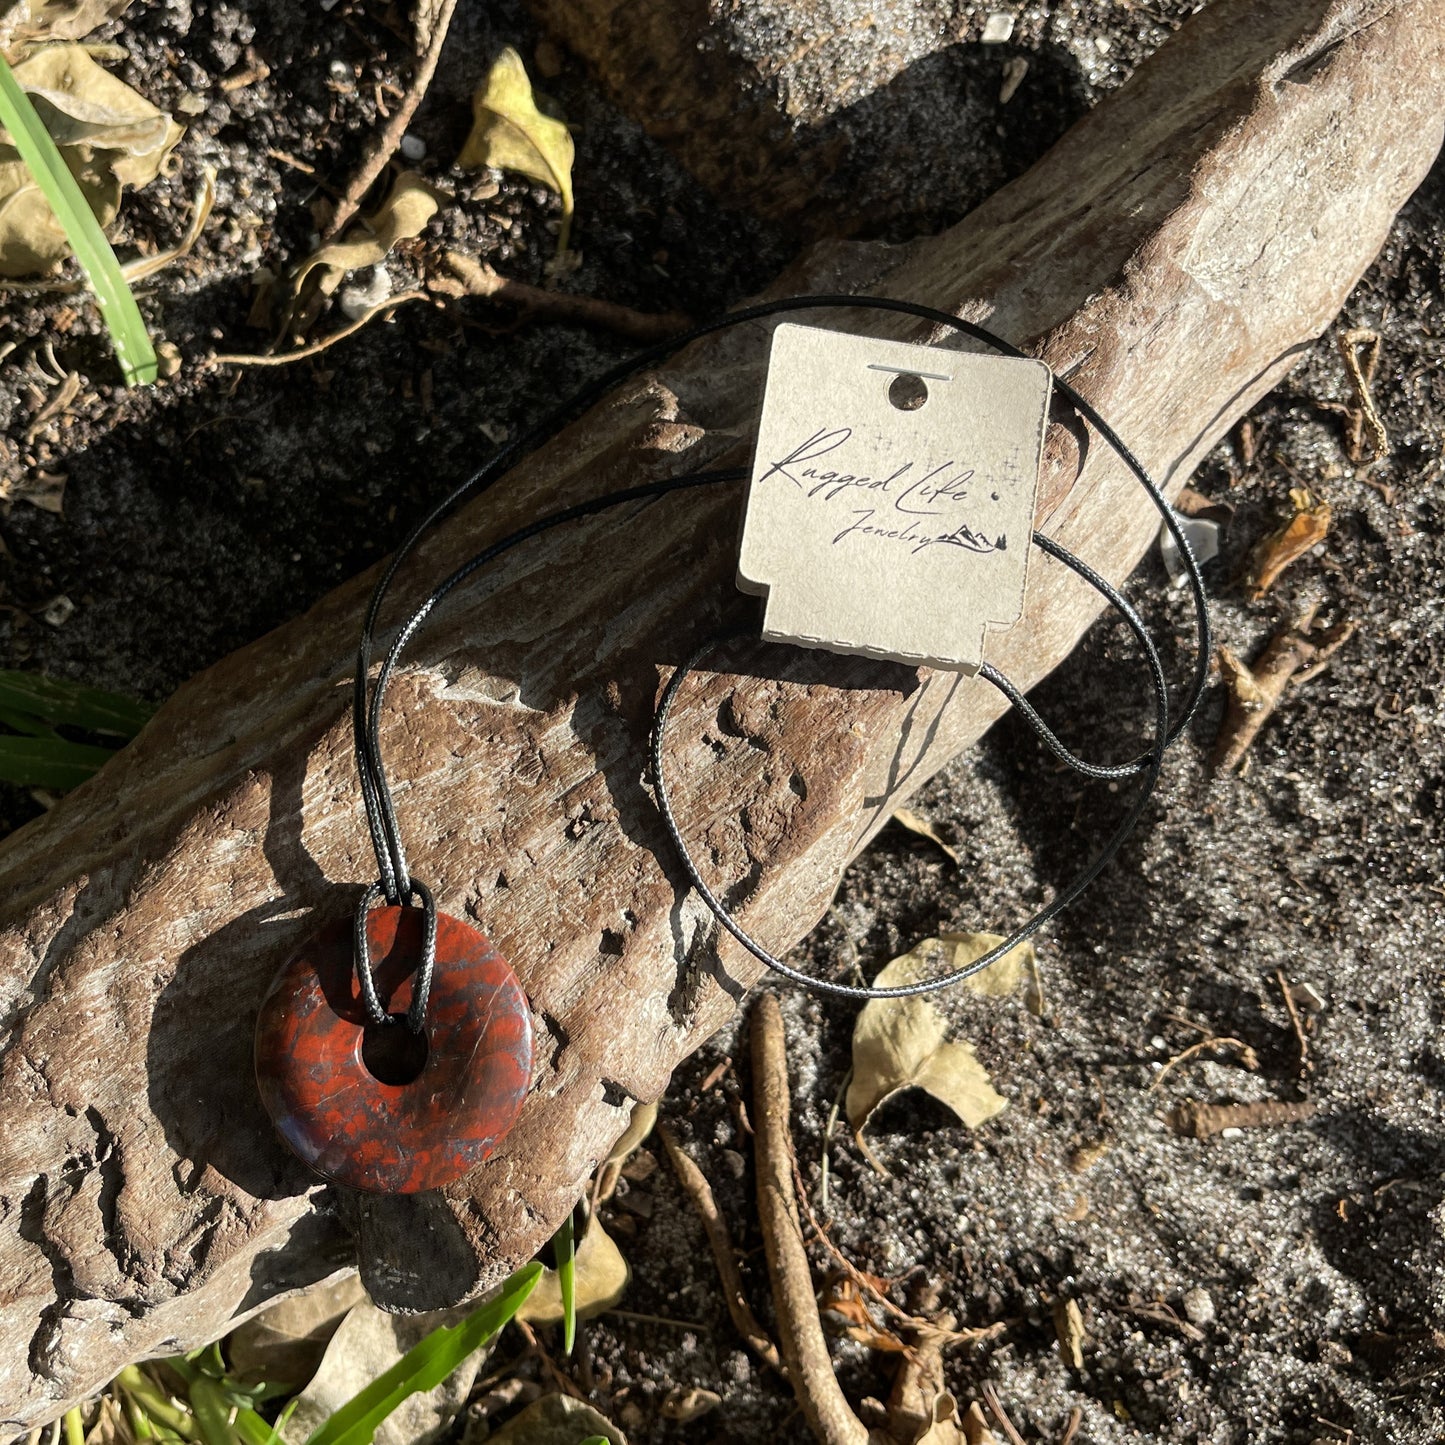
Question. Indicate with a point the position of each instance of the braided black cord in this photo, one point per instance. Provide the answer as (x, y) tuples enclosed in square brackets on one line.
[(1150, 771), (395, 881)]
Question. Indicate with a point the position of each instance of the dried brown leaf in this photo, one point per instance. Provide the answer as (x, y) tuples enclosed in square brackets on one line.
[(367, 1344), (556, 1420), (917, 823), (110, 136), (689, 1403), (284, 1344), (901, 1043), (1069, 1326), (1306, 529), (27, 23), (602, 1277), (42, 489), (409, 205)]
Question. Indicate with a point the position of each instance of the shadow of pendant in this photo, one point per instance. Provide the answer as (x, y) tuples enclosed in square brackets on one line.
[(374, 1106)]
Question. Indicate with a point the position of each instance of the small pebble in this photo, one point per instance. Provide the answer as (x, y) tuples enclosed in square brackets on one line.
[(340, 70), (58, 611), (1198, 1307), (1101, 44), (998, 28), (1233, 1132), (413, 147), (370, 288)]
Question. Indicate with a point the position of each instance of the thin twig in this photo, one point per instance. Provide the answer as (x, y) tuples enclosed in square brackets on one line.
[(804, 1348), (865, 1282), (991, 1399), (667, 1320), (827, 1139), (1306, 1065), (1255, 691), (285, 358), (560, 1378), (1076, 1418), (478, 279), (1202, 1121), (719, 1237), (389, 141), (1247, 1055)]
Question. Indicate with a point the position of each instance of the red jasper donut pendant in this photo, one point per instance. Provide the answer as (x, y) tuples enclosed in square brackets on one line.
[(455, 1090)]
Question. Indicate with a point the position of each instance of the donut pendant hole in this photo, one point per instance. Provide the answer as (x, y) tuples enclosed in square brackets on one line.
[(393, 1054)]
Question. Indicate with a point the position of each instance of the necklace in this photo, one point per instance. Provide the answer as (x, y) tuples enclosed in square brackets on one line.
[(394, 1051)]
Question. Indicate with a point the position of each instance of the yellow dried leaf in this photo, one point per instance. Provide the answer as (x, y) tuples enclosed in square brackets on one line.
[(1069, 1326), (951, 951), (510, 133), (602, 1276), (639, 1126), (284, 1344), (25, 23), (901, 1043), (917, 823), (42, 489), (366, 1344), (410, 204), (943, 1427), (110, 136), (557, 1420)]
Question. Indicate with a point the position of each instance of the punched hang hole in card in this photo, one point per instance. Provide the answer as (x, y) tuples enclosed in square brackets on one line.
[(891, 503)]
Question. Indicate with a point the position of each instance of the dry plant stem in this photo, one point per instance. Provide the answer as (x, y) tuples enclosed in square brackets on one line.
[(804, 1348), (1076, 1418), (560, 1378), (1255, 692), (644, 326), (1247, 1056), (1306, 1064), (719, 1237), (388, 142), (1202, 1121), (919, 1384), (285, 358), (1162, 1314), (991, 1399), (866, 1284), (1363, 376)]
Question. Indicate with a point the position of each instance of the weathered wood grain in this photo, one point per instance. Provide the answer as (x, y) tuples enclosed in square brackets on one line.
[(1171, 256)]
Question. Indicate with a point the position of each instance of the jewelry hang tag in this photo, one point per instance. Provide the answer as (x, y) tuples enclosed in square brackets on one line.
[(882, 524)]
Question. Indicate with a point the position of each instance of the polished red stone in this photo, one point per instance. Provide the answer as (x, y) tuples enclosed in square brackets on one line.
[(394, 1138)]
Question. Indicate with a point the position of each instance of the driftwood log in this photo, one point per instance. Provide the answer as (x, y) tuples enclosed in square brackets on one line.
[(1171, 257)]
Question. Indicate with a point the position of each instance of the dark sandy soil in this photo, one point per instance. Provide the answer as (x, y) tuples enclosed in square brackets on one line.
[(201, 514)]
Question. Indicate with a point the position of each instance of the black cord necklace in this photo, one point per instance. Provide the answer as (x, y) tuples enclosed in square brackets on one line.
[(399, 1109)]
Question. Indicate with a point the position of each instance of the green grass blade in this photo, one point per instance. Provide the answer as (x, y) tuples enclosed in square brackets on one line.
[(564, 1252), (212, 1411), (22, 722), (42, 157), (74, 1427), (53, 763), (253, 1428), (425, 1365), (53, 700)]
